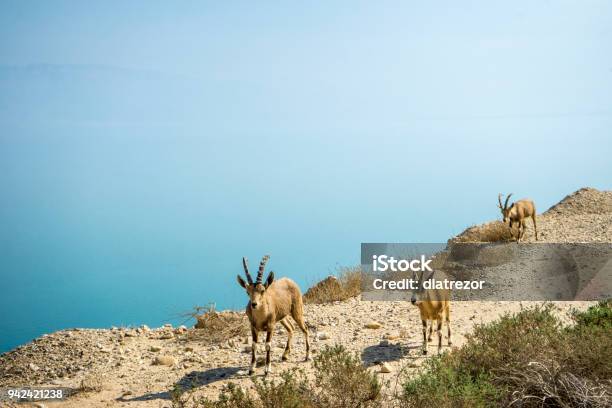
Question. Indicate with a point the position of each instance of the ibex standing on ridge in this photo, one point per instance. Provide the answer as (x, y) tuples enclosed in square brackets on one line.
[(433, 304), (518, 212), (269, 303)]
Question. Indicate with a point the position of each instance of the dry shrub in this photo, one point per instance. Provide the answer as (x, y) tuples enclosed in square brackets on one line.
[(217, 327), (340, 380), (495, 231), (540, 384), (332, 288)]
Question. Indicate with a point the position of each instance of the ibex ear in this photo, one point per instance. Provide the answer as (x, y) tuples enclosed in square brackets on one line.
[(241, 281), (269, 280)]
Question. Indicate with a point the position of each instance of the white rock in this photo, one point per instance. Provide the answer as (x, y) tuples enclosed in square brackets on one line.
[(384, 368), (322, 336)]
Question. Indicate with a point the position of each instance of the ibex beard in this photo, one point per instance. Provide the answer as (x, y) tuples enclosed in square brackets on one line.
[(270, 303)]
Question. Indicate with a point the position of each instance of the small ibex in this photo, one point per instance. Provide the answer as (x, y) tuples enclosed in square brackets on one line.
[(270, 303), (518, 212), (433, 304)]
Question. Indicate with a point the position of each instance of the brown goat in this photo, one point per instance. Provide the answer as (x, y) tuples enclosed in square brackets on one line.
[(433, 304), (518, 212), (269, 303)]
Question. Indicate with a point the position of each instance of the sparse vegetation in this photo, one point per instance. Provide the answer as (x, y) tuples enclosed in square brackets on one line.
[(217, 327), (527, 359), (347, 284), (495, 231), (340, 380), (92, 382)]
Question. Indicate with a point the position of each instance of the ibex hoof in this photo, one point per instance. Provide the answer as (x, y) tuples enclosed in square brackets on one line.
[(424, 351), (251, 371), (307, 358), (284, 358)]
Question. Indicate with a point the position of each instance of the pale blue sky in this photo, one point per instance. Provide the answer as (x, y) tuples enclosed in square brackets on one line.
[(145, 147)]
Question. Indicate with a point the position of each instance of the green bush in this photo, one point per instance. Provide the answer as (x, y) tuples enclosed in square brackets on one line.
[(599, 315), (442, 384), (527, 359), (341, 380), (290, 392)]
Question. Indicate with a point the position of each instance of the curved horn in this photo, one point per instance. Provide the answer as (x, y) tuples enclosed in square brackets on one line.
[(245, 264), (499, 199), (262, 265), (507, 199)]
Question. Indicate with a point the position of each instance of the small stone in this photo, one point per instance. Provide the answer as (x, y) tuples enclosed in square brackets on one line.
[(384, 343), (33, 367), (384, 368), (322, 336), (391, 336), (373, 325), (168, 325), (155, 349), (166, 336), (164, 360)]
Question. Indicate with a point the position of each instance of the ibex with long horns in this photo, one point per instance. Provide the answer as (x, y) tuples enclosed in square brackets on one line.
[(269, 303), (518, 212)]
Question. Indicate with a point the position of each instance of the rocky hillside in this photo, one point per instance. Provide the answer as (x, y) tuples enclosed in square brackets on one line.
[(139, 367), (583, 216)]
